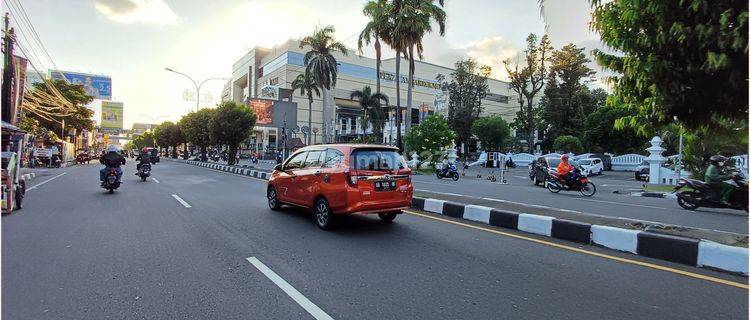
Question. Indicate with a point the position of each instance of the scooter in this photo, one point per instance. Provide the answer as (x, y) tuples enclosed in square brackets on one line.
[(448, 171), (702, 195), (111, 182), (580, 183), (144, 171)]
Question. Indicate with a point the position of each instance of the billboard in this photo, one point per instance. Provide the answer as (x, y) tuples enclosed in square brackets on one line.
[(111, 116), (98, 86), (273, 113)]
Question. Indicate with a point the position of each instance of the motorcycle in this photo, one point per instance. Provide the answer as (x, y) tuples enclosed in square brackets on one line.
[(144, 171), (111, 182), (580, 183), (702, 195), (510, 164), (448, 171), (55, 161)]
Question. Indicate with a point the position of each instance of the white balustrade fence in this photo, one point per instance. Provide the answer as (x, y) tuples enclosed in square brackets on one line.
[(627, 162)]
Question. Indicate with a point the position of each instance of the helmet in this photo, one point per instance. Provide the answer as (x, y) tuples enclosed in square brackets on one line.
[(564, 157), (111, 148), (718, 160)]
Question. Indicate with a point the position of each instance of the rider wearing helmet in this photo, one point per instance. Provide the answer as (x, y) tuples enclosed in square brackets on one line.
[(111, 159), (565, 169), (715, 177), (144, 158)]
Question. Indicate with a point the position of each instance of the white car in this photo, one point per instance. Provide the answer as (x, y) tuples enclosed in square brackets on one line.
[(591, 166)]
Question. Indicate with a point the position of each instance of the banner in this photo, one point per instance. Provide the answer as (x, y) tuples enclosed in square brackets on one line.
[(111, 116), (100, 87), (263, 110)]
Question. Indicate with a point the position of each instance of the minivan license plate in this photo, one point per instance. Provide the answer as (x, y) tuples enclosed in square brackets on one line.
[(385, 185)]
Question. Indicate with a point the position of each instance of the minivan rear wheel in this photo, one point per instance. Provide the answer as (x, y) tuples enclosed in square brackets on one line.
[(323, 214)]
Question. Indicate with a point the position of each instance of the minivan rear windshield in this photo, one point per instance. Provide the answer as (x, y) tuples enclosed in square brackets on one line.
[(377, 160)]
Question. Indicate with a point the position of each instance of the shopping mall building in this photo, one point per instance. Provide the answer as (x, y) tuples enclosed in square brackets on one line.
[(267, 73)]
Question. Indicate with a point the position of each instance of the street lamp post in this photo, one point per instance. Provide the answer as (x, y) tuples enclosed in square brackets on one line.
[(197, 86)]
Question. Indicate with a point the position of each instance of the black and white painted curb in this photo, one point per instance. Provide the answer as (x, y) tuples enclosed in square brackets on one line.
[(28, 176), (689, 251), (654, 195), (231, 169)]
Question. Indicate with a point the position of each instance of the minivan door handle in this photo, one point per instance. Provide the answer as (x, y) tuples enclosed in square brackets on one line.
[(317, 173)]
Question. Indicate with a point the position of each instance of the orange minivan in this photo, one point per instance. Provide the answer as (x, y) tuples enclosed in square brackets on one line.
[(338, 179)]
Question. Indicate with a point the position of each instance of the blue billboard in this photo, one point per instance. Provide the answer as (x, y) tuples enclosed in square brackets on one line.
[(100, 87)]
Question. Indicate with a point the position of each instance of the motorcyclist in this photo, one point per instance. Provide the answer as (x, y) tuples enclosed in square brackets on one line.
[(144, 158), (112, 159), (715, 177), (565, 169)]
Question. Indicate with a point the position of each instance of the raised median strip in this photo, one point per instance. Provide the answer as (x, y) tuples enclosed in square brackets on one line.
[(684, 250), (226, 168)]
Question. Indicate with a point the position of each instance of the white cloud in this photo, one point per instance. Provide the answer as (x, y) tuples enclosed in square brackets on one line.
[(137, 11)]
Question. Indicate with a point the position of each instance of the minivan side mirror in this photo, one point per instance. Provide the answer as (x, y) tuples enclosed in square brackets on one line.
[(277, 167)]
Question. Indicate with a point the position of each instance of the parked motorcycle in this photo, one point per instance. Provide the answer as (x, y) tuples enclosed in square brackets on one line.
[(448, 171), (55, 161), (702, 195), (144, 171), (580, 183), (111, 182)]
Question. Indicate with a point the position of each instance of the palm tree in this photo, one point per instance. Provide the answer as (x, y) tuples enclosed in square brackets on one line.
[(377, 28), (321, 64), (371, 104), (307, 86), (413, 20)]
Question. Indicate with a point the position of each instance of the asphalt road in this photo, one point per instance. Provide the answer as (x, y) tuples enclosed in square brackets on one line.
[(76, 253), (604, 202)]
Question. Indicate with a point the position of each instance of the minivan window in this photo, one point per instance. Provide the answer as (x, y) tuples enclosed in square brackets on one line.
[(313, 159), (378, 160), (332, 158), (296, 161)]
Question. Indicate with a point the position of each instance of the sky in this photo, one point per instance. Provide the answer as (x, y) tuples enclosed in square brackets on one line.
[(134, 40)]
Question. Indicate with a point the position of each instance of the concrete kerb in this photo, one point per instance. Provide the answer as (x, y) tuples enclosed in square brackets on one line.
[(688, 251)]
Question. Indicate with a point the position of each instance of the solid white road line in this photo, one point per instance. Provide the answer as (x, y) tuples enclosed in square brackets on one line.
[(300, 299), (45, 181), (157, 181), (625, 204), (183, 202)]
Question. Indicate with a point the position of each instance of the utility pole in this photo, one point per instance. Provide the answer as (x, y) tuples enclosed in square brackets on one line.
[(7, 100)]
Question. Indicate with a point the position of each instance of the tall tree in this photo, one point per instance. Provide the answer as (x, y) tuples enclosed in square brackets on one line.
[(600, 134), (412, 20), (79, 117), (196, 128), (430, 138), (232, 123), (377, 28), (322, 65), (567, 100), (676, 59), (371, 104), (492, 132), (527, 83), (307, 87), (466, 89)]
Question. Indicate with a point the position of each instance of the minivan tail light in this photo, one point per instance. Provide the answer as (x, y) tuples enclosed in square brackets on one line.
[(351, 179)]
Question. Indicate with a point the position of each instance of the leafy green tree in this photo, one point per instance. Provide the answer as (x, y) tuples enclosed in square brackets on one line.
[(79, 117), (144, 140), (567, 99), (196, 128), (601, 135), (492, 132), (307, 87), (412, 21), (527, 82), (466, 89), (371, 104), (168, 134), (568, 144), (232, 123), (379, 27), (322, 65), (723, 136), (676, 59), (430, 137)]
